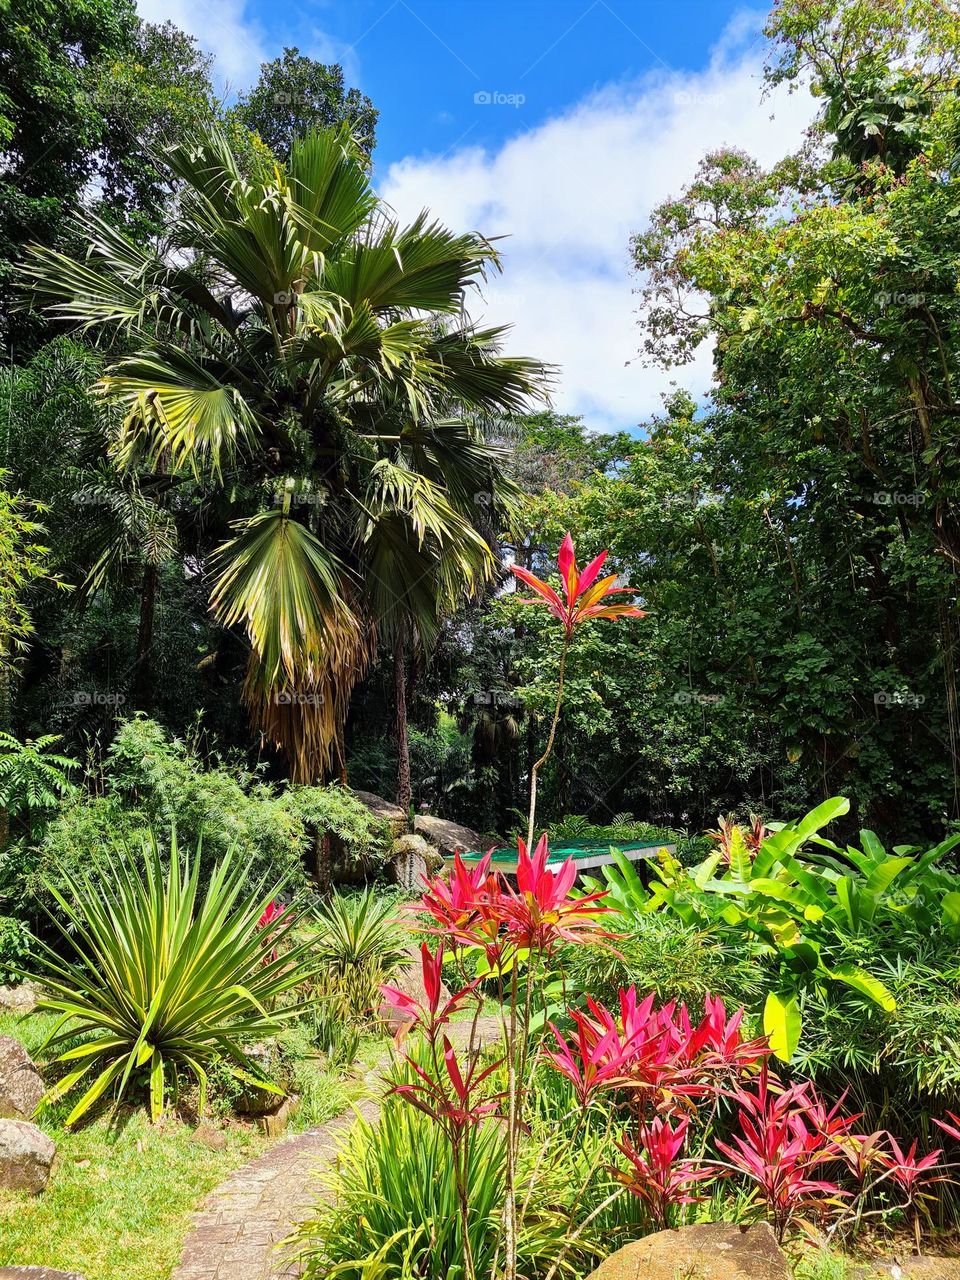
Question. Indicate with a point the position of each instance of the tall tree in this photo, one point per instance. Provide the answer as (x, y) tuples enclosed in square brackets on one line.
[(295, 95), (86, 89)]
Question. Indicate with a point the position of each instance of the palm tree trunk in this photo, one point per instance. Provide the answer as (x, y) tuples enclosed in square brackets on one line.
[(143, 666), (403, 746)]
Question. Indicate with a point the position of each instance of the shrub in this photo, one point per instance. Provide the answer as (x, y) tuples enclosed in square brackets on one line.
[(818, 915), (150, 783), (16, 948), (393, 1208), (653, 954), (162, 981), (359, 941)]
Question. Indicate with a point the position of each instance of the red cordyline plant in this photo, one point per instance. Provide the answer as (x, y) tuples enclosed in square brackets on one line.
[(658, 1174), (913, 1174), (658, 1054), (585, 595), (476, 911), (783, 1149), (452, 1095), (266, 925)]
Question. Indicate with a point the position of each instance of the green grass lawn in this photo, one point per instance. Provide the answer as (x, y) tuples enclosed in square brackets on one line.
[(119, 1203)]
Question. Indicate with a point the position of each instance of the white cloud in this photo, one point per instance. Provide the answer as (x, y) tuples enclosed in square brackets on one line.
[(570, 192), (223, 29)]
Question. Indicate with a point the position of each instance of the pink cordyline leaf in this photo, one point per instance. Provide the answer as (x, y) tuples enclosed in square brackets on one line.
[(657, 1175), (454, 1100), (433, 1015), (781, 1148), (541, 914), (583, 594), (478, 907), (654, 1050), (953, 1128)]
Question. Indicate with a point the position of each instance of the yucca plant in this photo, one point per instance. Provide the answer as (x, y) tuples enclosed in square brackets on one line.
[(357, 944), (162, 979), (357, 928)]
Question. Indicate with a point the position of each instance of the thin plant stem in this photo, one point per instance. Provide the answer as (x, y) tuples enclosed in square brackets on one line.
[(553, 733)]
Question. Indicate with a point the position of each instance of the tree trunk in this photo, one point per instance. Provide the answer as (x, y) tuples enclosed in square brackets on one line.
[(403, 746), (143, 665)]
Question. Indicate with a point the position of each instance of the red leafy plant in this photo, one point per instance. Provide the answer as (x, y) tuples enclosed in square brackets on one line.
[(782, 1148), (267, 925), (479, 913), (658, 1174), (913, 1175), (656, 1052)]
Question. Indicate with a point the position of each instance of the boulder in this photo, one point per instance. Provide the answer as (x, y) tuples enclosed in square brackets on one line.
[(447, 836), (275, 1123), (409, 980), (26, 1156), (412, 858), (20, 1085), (390, 813), (708, 1251), (19, 999)]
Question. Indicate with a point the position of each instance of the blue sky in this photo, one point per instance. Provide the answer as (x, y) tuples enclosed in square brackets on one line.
[(557, 123)]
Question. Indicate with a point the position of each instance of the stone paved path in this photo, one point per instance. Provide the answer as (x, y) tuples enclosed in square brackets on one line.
[(240, 1224)]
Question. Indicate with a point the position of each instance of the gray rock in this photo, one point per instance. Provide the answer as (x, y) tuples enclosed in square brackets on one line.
[(412, 857), (385, 809), (707, 1250), (26, 1156), (19, 999), (37, 1273), (20, 1085), (275, 1123), (447, 836)]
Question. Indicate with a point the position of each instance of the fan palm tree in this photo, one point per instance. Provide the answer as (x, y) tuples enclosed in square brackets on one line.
[(297, 349)]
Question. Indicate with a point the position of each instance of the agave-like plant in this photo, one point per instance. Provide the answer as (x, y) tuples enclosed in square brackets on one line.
[(359, 928), (164, 979), (359, 941)]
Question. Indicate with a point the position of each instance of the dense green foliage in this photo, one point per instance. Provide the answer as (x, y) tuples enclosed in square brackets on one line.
[(843, 955), (149, 783)]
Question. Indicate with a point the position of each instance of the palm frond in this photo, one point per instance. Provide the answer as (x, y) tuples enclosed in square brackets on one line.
[(420, 554), (278, 581), (178, 407)]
